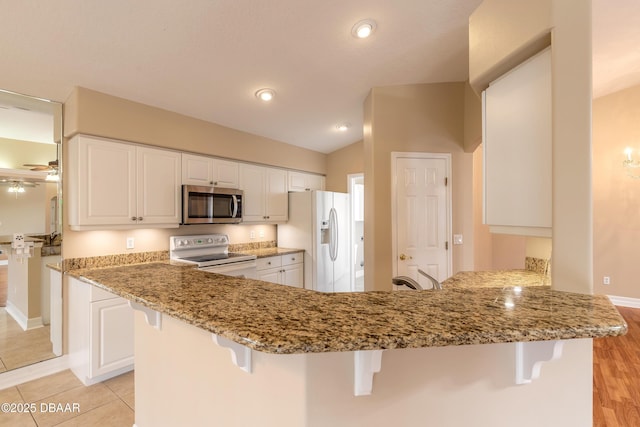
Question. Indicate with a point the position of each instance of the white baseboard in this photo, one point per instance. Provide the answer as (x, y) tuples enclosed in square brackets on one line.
[(625, 301), (22, 320), (33, 372)]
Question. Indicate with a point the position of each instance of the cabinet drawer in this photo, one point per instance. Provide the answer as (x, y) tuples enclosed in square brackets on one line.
[(97, 294), (271, 262), (290, 259)]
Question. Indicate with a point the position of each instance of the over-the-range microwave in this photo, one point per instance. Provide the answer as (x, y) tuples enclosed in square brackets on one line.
[(211, 205)]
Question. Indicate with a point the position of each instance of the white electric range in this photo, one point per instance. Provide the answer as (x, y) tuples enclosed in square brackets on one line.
[(210, 252)]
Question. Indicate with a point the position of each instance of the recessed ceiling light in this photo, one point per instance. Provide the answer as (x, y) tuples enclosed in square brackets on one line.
[(265, 94), (343, 127), (363, 29)]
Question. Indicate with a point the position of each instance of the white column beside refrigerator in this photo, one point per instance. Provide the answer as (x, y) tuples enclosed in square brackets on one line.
[(319, 224)]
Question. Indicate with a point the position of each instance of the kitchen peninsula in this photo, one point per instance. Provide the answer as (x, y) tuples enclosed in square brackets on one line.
[(299, 351)]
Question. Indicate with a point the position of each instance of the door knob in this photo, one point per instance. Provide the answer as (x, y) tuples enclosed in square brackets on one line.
[(403, 257)]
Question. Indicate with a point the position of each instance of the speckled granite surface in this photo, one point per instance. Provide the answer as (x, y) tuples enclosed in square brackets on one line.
[(493, 279), (281, 319), (267, 252), (114, 260), (539, 265), (252, 246)]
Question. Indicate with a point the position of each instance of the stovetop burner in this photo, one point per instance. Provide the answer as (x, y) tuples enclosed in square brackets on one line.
[(205, 250)]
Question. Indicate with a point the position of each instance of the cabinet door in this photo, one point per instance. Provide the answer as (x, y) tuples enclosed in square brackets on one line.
[(277, 197), (271, 275), (293, 275), (158, 181), (517, 147), (103, 191), (226, 174), (300, 181), (197, 170), (252, 183), (111, 339)]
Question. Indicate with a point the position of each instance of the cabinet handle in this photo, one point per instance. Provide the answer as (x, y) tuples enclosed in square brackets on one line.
[(139, 218), (215, 183), (269, 263), (133, 218)]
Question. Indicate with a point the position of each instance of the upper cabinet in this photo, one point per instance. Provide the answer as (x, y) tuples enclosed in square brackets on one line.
[(203, 170), (517, 144), (300, 181), (120, 185), (265, 194)]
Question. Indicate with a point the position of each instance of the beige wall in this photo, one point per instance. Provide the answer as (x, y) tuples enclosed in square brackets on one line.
[(616, 201), (503, 32), (100, 114), (340, 163), (413, 118)]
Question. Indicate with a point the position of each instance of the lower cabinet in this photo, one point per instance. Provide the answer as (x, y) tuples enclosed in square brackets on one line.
[(282, 269), (100, 333)]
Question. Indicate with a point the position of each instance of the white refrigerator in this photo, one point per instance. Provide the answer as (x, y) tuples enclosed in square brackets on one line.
[(319, 224)]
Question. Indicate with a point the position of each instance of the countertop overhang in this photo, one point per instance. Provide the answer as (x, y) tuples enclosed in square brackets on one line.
[(284, 320)]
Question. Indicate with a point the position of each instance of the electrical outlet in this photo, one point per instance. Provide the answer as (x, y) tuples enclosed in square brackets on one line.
[(252, 234), (130, 242), (606, 280), (261, 234)]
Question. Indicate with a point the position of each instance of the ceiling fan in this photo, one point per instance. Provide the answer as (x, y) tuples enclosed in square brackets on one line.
[(52, 165)]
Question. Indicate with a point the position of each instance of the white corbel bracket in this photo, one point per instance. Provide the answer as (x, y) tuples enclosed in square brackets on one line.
[(531, 355), (154, 318), (240, 354), (366, 364)]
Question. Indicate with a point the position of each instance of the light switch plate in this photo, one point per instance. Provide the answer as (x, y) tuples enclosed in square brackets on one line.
[(130, 243), (457, 239)]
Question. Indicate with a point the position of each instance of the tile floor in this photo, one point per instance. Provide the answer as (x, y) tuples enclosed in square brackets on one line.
[(106, 404), (20, 348)]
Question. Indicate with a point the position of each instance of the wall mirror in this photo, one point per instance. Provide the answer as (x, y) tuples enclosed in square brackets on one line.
[(30, 204)]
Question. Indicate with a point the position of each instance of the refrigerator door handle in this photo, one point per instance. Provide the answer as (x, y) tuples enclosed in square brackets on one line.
[(333, 227)]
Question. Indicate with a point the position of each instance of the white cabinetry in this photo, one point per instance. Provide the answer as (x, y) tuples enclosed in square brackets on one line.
[(265, 194), (283, 269), (517, 149), (119, 185), (101, 333), (300, 181), (203, 170)]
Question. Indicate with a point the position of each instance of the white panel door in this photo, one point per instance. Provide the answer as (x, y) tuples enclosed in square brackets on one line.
[(197, 170), (277, 196), (226, 174), (252, 183), (159, 180), (112, 333), (107, 183), (421, 218)]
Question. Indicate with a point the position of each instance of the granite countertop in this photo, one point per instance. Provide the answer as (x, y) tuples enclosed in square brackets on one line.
[(280, 319), (499, 278), (268, 252)]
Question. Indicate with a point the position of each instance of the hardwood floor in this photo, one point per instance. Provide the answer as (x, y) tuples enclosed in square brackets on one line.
[(616, 376)]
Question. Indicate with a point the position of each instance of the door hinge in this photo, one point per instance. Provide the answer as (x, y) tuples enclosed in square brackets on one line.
[(446, 246), (446, 181)]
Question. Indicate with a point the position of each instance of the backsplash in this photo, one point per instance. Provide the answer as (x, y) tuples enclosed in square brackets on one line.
[(113, 260), (539, 265), (142, 257)]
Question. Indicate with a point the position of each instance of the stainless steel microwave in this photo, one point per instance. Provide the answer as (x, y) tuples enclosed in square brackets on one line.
[(211, 205)]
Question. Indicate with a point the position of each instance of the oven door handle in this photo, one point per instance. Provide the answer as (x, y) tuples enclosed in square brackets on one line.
[(234, 209)]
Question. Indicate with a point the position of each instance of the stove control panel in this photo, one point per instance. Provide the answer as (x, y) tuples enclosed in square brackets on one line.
[(200, 241)]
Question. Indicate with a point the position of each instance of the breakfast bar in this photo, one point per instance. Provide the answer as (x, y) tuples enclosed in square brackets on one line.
[(216, 350)]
